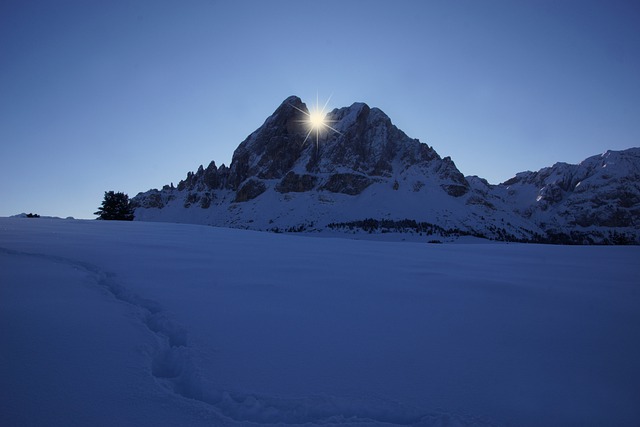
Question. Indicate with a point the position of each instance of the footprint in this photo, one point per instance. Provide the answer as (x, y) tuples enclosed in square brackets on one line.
[(173, 368)]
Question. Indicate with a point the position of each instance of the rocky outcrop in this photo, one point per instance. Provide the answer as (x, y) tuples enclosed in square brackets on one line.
[(456, 185), (292, 182), (347, 183), (272, 150), (251, 189)]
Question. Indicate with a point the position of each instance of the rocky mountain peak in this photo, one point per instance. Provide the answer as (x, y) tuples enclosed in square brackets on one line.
[(358, 145), (273, 149)]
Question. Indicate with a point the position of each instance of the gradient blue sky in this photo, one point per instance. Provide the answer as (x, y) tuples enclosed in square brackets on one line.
[(130, 95)]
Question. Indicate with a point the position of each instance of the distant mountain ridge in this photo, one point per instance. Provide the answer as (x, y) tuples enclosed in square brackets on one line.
[(370, 177)]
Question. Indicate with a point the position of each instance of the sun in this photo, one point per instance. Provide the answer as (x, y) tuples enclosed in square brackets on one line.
[(317, 121)]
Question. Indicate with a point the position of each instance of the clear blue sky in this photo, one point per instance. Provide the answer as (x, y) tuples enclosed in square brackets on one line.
[(130, 95)]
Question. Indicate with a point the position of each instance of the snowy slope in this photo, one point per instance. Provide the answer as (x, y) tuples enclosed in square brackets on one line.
[(282, 179), (600, 194), (116, 323)]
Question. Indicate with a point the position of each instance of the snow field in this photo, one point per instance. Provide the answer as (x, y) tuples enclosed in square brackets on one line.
[(138, 323)]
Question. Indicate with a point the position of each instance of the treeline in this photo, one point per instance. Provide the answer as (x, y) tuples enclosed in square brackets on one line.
[(579, 238), (293, 229), (573, 237), (371, 225)]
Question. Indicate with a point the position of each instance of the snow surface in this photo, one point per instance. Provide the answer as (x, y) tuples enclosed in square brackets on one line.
[(134, 323)]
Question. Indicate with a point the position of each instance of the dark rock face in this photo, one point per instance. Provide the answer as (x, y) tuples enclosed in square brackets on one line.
[(480, 201), (367, 145), (448, 171), (455, 190), (292, 182), (153, 199), (205, 179), (206, 199), (250, 190), (212, 177), (272, 150), (191, 199), (347, 183)]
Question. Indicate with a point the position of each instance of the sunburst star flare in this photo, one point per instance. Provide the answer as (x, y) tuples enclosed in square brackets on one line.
[(317, 121)]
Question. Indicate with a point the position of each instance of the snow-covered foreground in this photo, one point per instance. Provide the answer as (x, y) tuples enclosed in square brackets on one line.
[(108, 323)]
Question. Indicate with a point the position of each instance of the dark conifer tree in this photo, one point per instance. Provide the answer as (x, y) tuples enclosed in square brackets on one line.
[(115, 206)]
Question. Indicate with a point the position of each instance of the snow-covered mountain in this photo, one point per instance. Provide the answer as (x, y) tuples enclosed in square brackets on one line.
[(366, 175), (598, 199)]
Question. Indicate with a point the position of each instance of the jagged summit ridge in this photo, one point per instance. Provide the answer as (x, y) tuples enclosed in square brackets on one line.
[(281, 178), (366, 145)]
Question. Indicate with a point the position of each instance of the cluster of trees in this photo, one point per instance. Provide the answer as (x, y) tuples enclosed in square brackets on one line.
[(293, 229), (371, 225), (115, 206)]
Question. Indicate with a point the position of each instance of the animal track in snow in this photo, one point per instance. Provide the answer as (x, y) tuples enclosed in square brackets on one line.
[(171, 364)]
